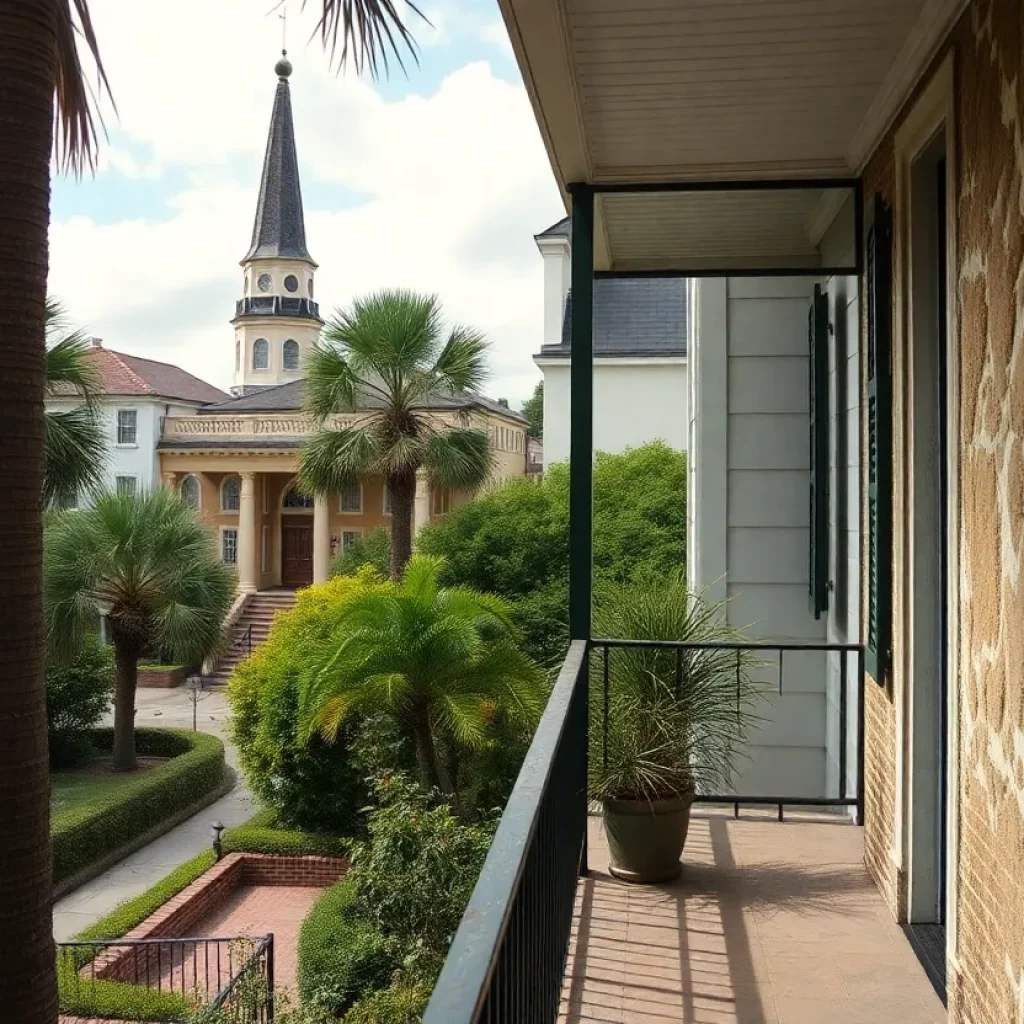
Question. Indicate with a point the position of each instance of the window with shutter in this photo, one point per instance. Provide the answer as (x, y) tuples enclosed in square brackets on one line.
[(818, 346), (878, 271)]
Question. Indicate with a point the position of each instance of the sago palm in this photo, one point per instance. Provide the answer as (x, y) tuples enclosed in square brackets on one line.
[(389, 359), (43, 87), (75, 446), (148, 564), (443, 661)]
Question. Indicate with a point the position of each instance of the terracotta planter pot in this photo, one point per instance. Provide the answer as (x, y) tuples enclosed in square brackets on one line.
[(646, 838)]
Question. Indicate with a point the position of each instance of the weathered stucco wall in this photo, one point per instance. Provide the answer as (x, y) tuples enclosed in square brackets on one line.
[(990, 55)]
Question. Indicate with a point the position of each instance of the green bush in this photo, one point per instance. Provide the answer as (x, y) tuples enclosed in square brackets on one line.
[(260, 834), (114, 1000), (342, 956), (87, 832), (415, 872), (78, 692), (400, 1004), (316, 785), (372, 549)]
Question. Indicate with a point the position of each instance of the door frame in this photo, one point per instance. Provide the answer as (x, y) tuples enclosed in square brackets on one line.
[(304, 522), (933, 114)]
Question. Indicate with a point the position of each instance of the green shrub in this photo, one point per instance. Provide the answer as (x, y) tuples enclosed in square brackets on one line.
[(315, 786), (342, 956), (372, 549), (87, 832), (78, 692), (415, 872), (128, 915), (114, 1000), (260, 834), (400, 1004)]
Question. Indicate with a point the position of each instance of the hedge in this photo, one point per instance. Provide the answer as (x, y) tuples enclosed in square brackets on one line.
[(400, 1004), (259, 835), (114, 1000), (342, 957), (86, 833)]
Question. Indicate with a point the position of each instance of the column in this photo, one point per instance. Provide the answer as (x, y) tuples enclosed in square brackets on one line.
[(421, 503), (169, 480), (248, 570), (321, 539)]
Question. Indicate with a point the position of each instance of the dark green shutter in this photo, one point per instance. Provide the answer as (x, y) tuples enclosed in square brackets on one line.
[(878, 269), (817, 345)]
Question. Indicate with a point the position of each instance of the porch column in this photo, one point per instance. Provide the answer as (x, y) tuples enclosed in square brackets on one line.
[(169, 480), (581, 413), (421, 503), (321, 539), (248, 570)]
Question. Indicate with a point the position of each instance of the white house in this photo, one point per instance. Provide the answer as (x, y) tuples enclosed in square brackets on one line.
[(640, 357), (136, 396)]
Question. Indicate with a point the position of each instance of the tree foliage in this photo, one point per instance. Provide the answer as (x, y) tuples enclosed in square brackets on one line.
[(78, 693), (388, 358), (533, 410), (372, 549)]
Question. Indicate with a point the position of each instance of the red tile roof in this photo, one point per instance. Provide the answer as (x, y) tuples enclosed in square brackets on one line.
[(122, 374)]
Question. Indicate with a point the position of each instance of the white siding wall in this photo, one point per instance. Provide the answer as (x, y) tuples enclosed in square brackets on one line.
[(767, 541), (633, 404)]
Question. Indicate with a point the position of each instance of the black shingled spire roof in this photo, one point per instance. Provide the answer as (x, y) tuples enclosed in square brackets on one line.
[(279, 229)]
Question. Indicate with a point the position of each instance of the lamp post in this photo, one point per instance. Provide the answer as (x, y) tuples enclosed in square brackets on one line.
[(218, 848)]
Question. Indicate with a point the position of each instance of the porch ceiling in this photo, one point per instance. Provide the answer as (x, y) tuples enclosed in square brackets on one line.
[(632, 91)]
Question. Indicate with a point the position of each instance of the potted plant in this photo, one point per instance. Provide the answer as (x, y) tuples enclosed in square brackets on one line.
[(674, 724)]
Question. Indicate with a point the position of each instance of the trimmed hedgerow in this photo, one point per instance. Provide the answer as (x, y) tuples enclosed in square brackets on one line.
[(260, 834), (342, 956), (114, 1000), (85, 833)]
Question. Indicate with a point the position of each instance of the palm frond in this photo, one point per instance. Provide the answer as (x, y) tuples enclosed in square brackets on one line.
[(370, 30), (75, 451), (461, 368), (334, 459), (459, 458), (76, 137), (331, 384)]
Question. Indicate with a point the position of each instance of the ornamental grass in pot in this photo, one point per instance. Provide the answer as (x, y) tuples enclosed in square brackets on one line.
[(673, 723)]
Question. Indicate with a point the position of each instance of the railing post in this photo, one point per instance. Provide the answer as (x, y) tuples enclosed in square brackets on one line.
[(270, 978), (860, 734)]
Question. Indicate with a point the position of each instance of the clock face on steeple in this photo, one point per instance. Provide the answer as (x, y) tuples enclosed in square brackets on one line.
[(264, 282)]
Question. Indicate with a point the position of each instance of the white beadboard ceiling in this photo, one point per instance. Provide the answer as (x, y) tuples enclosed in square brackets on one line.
[(711, 90)]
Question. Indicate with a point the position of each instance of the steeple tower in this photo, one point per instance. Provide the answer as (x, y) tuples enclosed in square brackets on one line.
[(277, 322)]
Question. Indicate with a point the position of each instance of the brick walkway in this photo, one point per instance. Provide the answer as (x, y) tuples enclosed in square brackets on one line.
[(769, 924)]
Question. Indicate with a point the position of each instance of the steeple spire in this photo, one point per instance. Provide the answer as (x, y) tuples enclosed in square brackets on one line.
[(279, 230)]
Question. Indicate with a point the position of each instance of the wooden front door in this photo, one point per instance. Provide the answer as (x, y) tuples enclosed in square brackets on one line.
[(296, 552)]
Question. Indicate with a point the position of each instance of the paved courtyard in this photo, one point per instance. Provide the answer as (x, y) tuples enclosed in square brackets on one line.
[(769, 924)]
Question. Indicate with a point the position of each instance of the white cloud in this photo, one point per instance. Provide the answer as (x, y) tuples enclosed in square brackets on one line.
[(455, 183)]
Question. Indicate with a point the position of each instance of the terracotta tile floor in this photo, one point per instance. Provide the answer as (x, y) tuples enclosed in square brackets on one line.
[(769, 923), (256, 910)]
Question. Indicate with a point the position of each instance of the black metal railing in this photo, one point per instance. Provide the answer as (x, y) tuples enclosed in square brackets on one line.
[(507, 958), (236, 972), (757, 659), (242, 644)]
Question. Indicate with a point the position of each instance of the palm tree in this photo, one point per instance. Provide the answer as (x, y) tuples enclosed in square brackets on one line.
[(442, 661), (147, 563), (75, 448), (388, 357), (42, 85)]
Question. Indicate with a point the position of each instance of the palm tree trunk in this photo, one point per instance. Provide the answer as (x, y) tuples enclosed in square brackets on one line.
[(126, 678), (402, 488), (435, 774), (27, 75)]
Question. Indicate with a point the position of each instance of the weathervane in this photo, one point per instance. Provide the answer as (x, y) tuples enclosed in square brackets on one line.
[(284, 26)]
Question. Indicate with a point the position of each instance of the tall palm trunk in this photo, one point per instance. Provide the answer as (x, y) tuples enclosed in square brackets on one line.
[(402, 488), (27, 76), (126, 680), (432, 765)]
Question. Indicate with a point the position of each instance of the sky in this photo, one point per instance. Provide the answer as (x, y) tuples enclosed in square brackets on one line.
[(435, 181)]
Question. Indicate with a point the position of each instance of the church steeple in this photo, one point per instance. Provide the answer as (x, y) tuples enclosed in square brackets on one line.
[(279, 231), (277, 322)]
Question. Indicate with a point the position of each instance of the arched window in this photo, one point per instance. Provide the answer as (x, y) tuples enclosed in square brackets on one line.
[(261, 354), (290, 355), (190, 491), (238, 355), (294, 499), (230, 494)]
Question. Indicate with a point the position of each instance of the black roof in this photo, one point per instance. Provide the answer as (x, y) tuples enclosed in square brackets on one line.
[(288, 398), (279, 229), (560, 229), (633, 316)]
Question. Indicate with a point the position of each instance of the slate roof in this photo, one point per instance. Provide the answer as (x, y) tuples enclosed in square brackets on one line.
[(122, 374), (279, 229), (633, 316), (560, 229), (288, 398)]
